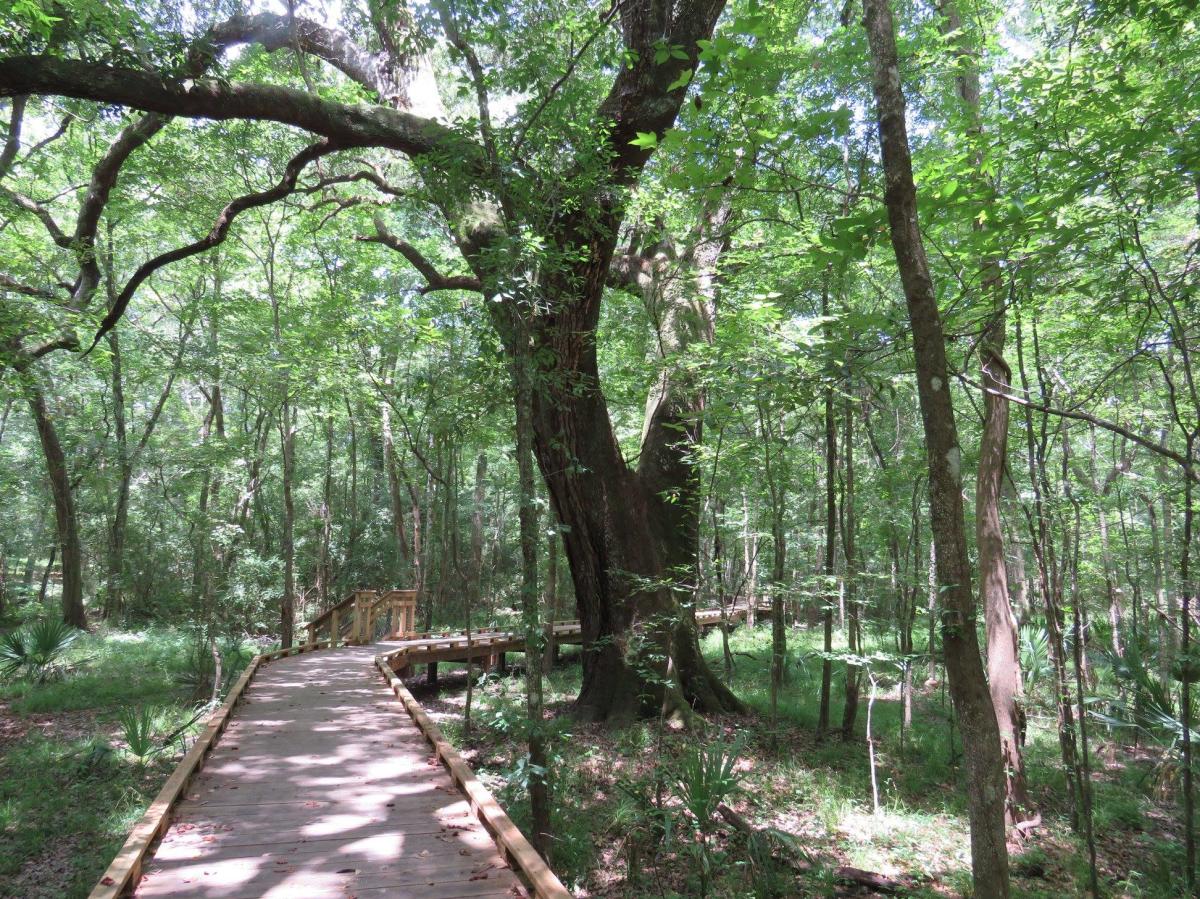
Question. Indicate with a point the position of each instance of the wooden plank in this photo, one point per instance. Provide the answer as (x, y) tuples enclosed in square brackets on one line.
[(521, 854), (315, 768), (125, 868)]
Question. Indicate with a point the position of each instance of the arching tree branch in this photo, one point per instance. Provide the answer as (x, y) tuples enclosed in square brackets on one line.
[(348, 125), (218, 233), (434, 280), (1157, 448)]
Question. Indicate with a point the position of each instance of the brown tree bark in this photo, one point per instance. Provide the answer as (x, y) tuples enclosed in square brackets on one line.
[(539, 784), (1049, 587), (830, 571), (968, 685), (65, 516), (1003, 659), (391, 464), (477, 499), (113, 598)]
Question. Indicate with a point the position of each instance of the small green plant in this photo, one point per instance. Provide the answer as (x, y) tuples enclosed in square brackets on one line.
[(139, 725), (33, 652), (1035, 654), (705, 777), (643, 822)]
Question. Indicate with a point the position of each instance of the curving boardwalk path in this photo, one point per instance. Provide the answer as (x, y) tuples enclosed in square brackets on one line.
[(322, 785)]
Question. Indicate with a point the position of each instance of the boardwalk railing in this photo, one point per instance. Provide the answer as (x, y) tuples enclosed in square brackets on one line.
[(354, 619), (487, 647)]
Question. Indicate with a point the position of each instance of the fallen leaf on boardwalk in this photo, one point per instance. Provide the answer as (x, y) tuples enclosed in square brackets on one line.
[(107, 881)]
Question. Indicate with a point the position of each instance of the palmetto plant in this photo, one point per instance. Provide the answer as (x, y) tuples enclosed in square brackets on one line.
[(1035, 654), (138, 728), (33, 651), (705, 777), (1148, 705)]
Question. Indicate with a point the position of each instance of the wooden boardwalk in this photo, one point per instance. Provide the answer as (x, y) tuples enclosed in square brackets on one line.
[(321, 775), (322, 785)]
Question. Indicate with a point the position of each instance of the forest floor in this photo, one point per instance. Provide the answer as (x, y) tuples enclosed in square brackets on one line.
[(70, 790), (816, 795)]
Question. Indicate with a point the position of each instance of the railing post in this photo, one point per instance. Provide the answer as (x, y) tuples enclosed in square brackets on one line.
[(334, 628)]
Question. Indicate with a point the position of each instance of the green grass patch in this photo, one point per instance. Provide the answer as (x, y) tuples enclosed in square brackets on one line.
[(69, 788)]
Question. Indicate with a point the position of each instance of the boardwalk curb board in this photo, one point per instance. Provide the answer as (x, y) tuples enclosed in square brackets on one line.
[(523, 858)]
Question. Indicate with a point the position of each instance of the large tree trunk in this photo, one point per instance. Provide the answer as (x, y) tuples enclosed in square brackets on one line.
[(616, 538), (65, 517), (1003, 660), (631, 537), (968, 685)]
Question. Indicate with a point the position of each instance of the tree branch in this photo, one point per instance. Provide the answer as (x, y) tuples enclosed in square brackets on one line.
[(434, 280), (104, 178), (14, 286), (40, 212), (218, 233), (13, 142), (274, 32), (348, 125), (1157, 448), (450, 27), (605, 21)]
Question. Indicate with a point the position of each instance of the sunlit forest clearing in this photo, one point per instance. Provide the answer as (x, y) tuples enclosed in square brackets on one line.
[(705, 448)]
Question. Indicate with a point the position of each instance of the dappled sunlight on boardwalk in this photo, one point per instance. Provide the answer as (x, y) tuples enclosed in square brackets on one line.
[(323, 786)]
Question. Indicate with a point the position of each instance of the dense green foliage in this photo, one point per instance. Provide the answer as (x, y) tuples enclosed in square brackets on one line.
[(324, 398)]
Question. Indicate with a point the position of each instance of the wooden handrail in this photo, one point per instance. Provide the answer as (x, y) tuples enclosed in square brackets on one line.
[(324, 616)]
